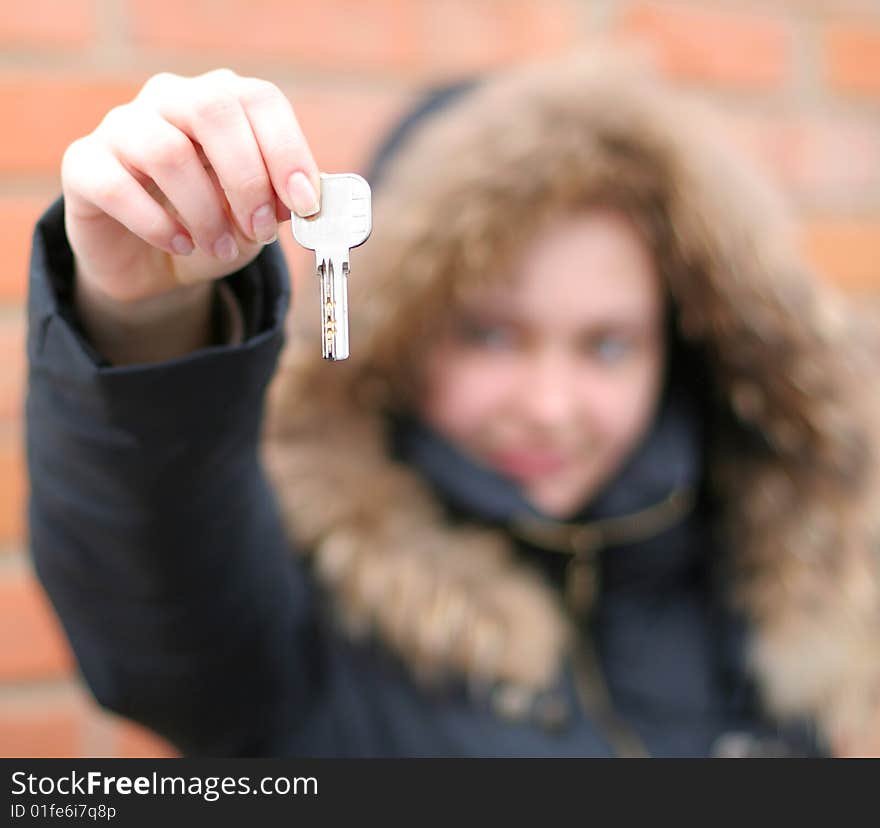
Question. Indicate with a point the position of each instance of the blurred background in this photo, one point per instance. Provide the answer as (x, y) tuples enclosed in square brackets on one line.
[(798, 82)]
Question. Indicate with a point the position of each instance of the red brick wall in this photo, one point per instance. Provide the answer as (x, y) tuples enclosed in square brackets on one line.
[(799, 81)]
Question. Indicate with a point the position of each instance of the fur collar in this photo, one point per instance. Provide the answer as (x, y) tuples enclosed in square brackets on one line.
[(792, 456)]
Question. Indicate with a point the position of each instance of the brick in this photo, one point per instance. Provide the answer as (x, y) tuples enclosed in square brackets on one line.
[(750, 50), (852, 58), (824, 9), (13, 360), (18, 215), (32, 645), (49, 23), (13, 485), (343, 127), (824, 161), (329, 34), (133, 741), (40, 725), (845, 249), (466, 36), (50, 111), (383, 35)]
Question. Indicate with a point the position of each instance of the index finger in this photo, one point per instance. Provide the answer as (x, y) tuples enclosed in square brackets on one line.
[(286, 152)]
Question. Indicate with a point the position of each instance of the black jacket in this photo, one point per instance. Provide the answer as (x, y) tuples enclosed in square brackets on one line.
[(159, 542)]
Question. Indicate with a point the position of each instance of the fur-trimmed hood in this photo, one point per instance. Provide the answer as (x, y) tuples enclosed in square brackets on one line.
[(792, 458)]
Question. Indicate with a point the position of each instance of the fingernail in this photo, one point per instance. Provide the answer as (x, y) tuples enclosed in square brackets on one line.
[(263, 220), (225, 248), (303, 195), (181, 245)]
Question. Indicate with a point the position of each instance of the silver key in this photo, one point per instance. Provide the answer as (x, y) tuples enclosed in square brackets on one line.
[(344, 221)]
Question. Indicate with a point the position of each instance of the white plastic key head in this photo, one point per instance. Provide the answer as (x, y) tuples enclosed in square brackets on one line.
[(344, 221)]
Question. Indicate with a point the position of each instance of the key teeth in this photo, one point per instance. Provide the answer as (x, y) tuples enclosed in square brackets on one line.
[(334, 321)]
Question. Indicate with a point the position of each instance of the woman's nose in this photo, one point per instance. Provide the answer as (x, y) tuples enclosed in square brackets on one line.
[(548, 392)]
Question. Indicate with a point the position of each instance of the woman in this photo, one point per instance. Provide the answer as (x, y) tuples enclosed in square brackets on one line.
[(598, 479)]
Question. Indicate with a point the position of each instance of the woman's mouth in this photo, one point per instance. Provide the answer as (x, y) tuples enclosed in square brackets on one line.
[(528, 464)]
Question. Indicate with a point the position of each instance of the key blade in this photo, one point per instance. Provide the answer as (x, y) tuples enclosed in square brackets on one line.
[(334, 309)]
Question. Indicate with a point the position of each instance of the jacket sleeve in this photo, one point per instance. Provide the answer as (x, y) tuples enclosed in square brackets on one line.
[(153, 528)]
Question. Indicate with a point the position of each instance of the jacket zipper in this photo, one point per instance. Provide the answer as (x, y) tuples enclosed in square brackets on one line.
[(595, 699)]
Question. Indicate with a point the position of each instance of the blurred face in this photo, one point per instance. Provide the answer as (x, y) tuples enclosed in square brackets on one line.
[(553, 381)]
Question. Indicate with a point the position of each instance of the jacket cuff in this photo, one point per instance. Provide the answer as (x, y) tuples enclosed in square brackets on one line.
[(205, 385)]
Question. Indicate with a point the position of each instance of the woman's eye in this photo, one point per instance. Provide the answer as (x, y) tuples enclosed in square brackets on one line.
[(486, 336), (611, 348)]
